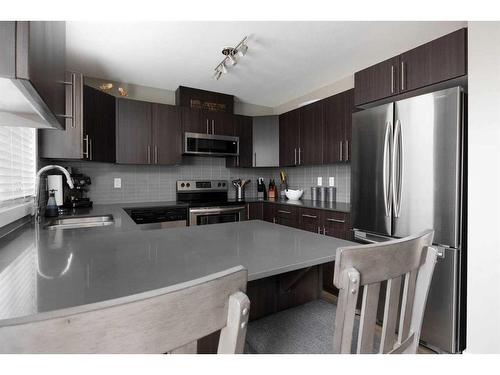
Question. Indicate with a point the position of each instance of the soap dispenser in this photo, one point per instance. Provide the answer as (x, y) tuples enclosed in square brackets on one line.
[(51, 210)]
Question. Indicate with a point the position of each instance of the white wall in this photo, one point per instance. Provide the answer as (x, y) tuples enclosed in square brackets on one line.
[(483, 286)]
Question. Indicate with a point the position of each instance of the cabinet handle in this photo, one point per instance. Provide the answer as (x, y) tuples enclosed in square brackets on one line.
[(90, 148), (341, 150), (402, 75), (207, 127), (324, 230), (156, 154), (392, 79), (254, 159), (335, 220), (86, 152), (319, 230), (213, 126), (295, 155), (284, 212), (274, 220), (238, 161), (346, 150), (310, 216), (149, 155), (299, 155), (71, 83)]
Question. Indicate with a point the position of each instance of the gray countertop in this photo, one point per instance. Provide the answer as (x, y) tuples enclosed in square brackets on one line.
[(43, 270), (307, 203)]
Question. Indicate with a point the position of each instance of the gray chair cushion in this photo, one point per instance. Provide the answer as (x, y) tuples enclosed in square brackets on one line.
[(305, 329)]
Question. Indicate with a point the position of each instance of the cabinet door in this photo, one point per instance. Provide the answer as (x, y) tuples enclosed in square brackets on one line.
[(311, 134), (377, 82), (310, 219), (287, 215), (255, 211), (334, 129), (268, 212), (336, 224), (289, 124), (243, 129), (133, 131), (68, 143), (348, 111), (192, 121), (166, 134), (99, 119), (220, 123)]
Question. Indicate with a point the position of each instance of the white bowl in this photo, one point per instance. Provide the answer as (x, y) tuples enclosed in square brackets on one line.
[(294, 195)]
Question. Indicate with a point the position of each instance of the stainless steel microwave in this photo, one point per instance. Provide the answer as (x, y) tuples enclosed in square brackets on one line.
[(210, 144)]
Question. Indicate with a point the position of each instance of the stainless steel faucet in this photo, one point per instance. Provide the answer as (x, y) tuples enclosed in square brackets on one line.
[(69, 181)]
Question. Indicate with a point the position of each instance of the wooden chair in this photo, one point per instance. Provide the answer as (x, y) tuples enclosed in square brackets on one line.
[(407, 263), (170, 319)]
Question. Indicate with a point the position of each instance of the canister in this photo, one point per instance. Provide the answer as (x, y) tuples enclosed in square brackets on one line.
[(322, 193), (314, 193), (331, 193)]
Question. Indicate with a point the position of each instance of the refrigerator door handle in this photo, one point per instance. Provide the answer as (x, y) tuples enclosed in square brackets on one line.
[(397, 169), (386, 159)]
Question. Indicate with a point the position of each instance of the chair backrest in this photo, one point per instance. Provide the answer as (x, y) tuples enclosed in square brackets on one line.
[(170, 319), (406, 263)]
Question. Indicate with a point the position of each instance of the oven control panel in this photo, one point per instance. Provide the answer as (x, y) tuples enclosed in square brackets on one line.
[(202, 185)]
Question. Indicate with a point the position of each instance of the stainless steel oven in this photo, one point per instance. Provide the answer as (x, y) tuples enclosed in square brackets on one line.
[(215, 215)]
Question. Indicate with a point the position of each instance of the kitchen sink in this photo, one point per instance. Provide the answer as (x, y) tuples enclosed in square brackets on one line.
[(80, 222)]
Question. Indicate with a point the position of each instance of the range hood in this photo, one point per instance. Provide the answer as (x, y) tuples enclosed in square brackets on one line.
[(32, 74)]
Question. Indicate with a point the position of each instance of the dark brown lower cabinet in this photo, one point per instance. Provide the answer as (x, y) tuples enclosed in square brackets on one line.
[(268, 212), (287, 215), (255, 211), (311, 219)]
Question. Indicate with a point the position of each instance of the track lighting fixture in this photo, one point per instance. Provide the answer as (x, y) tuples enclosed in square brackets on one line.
[(230, 54)]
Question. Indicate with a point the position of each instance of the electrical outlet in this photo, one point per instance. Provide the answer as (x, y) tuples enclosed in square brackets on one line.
[(118, 183), (331, 181), (320, 181)]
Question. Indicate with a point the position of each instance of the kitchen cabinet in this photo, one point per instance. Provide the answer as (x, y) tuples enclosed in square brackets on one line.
[(255, 211), (32, 65), (99, 121), (242, 128), (133, 132), (268, 212), (338, 127), (377, 82), (192, 121), (166, 134), (310, 150), (266, 141), (189, 96), (349, 109), (90, 132), (289, 133), (287, 215), (439, 60), (147, 133), (219, 123), (311, 219)]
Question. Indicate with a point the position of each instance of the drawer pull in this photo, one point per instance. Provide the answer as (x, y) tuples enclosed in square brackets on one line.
[(284, 212), (336, 220), (310, 216)]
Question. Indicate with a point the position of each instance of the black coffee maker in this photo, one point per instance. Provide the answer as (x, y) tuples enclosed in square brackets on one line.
[(76, 197)]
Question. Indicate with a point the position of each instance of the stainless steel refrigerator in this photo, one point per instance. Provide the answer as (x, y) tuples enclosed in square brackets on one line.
[(408, 175)]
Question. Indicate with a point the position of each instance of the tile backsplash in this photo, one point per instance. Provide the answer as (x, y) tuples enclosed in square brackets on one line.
[(149, 183)]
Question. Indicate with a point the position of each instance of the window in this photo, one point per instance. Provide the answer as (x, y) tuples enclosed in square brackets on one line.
[(17, 164)]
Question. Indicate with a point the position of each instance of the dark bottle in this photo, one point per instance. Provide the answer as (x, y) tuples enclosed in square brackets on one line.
[(51, 210)]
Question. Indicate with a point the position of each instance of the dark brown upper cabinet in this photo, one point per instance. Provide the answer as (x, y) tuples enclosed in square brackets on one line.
[(90, 132), (440, 60), (133, 132), (311, 134), (289, 124), (192, 121), (33, 58), (219, 123), (99, 121), (243, 129), (195, 98), (147, 133), (334, 129), (377, 82), (166, 134)]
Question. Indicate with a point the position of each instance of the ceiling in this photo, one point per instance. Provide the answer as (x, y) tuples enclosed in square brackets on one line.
[(285, 60)]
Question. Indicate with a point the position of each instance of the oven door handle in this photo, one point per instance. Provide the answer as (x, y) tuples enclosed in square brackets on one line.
[(215, 210)]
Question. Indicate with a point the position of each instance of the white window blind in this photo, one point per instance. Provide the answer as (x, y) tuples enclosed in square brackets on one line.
[(17, 163)]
